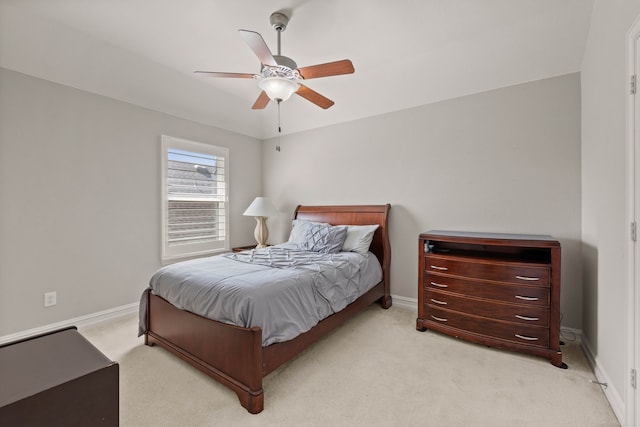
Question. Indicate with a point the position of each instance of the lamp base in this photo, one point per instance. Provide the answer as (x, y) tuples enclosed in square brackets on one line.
[(261, 233)]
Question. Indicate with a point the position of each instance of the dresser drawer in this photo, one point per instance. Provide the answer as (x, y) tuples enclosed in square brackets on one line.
[(526, 314), (515, 294), (515, 332), (500, 271)]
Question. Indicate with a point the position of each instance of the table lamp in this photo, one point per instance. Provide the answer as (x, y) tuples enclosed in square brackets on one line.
[(261, 208)]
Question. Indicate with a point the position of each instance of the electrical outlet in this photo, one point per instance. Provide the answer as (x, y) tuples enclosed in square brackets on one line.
[(50, 299)]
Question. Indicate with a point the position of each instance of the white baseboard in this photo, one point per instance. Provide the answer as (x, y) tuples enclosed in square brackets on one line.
[(612, 394), (80, 322), (570, 334), (405, 302)]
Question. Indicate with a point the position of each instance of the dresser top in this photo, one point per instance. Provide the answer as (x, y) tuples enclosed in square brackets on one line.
[(496, 238), (45, 361)]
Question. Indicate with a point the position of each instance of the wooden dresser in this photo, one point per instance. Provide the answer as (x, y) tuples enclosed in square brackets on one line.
[(499, 290)]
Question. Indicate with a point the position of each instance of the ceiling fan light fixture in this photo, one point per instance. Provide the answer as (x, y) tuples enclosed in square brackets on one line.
[(278, 88)]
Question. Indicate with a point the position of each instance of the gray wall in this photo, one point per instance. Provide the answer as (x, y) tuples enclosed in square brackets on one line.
[(80, 198), (605, 229), (507, 160)]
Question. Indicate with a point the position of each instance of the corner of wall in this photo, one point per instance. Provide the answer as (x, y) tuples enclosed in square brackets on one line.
[(612, 394)]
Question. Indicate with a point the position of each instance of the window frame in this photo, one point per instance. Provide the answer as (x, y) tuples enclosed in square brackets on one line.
[(190, 250)]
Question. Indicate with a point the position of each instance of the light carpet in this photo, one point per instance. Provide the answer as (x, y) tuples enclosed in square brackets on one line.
[(376, 370)]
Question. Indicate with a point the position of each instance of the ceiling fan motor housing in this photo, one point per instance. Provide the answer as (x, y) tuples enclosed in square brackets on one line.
[(285, 61), (287, 69)]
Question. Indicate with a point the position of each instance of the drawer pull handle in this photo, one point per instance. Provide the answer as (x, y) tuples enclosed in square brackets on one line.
[(531, 319), (523, 337), (436, 267), (439, 285), (439, 319), (438, 302), (527, 278), (527, 298)]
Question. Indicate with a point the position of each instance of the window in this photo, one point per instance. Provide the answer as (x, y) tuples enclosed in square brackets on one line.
[(194, 198)]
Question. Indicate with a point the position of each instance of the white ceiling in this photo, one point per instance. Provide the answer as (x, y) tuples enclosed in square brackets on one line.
[(405, 52)]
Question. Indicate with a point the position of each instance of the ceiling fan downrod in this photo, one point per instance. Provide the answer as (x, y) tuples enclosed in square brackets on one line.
[(279, 22)]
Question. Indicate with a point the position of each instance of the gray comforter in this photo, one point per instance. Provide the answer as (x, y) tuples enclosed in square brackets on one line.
[(284, 291)]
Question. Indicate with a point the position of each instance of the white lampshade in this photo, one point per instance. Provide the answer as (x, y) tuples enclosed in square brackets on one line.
[(278, 88), (261, 206)]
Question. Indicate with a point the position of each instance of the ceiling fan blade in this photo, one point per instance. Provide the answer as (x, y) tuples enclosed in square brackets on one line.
[(232, 75), (325, 70), (258, 46), (315, 97), (261, 102)]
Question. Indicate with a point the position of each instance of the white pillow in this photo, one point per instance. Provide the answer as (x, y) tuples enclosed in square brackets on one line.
[(359, 238)]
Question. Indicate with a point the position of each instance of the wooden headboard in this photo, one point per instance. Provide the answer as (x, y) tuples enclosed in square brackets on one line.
[(357, 215)]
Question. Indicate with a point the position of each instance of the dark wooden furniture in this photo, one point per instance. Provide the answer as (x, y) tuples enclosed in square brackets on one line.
[(234, 355), (500, 290), (244, 248), (57, 379)]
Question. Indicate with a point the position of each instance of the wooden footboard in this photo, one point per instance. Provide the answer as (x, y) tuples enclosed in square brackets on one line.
[(230, 354), (233, 355)]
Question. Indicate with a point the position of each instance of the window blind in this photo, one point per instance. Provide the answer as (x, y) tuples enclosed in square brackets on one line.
[(196, 198)]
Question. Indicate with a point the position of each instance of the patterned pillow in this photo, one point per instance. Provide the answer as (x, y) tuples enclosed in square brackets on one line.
[(298, 230), (323, 238)]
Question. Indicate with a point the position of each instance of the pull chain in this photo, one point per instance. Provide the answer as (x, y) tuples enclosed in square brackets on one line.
[(279, 128)]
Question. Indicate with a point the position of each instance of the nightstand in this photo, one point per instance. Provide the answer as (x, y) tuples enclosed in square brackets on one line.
[(244, 248)]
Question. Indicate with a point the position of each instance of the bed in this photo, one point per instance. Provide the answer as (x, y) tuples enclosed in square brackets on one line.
[(234, 355)]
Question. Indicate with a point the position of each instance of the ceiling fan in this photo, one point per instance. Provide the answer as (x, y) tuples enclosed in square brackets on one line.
[(279, 75)]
